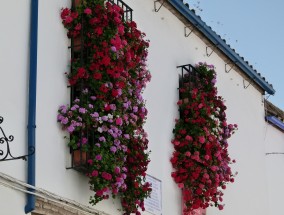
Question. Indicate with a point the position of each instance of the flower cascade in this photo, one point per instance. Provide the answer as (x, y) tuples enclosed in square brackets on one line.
[(201, 160), (106, 119)]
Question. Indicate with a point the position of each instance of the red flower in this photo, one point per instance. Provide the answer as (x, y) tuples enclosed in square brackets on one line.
[(114, 93), (81, 72), (106, 61), (99, 31), (97, 76), (120, 84), (103, 88), (74, 15), (65, 12)]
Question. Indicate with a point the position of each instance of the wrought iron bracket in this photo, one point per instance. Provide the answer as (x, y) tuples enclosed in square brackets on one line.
[(186, 33), (248, 83), (230, 66), (5, 154), (158, 7), (210, 50)]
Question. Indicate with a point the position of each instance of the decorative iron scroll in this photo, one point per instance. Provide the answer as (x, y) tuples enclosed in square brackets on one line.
[(5, 141)]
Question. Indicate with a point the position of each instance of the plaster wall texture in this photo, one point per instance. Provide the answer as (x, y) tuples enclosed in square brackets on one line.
[(168, 49)]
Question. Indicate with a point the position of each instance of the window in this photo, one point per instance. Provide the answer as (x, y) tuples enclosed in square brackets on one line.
[(81, 55)]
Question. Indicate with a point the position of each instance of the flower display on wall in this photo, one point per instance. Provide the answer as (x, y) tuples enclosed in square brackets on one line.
[(109, 74), (201, 160)]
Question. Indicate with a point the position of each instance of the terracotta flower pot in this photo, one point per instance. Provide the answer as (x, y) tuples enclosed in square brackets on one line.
[(77, 43), (79, 158), (77, 2)]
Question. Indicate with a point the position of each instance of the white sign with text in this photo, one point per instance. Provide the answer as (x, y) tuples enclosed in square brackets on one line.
[(153, 204)]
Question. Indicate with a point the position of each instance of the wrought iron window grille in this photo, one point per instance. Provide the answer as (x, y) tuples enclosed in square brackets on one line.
[(127, 16), (79, 157), (189, 78), (188, 74), (5, 151)]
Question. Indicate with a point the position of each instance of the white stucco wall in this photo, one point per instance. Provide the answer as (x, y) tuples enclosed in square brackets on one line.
[(13, 94), (274, 140), (168, 49)]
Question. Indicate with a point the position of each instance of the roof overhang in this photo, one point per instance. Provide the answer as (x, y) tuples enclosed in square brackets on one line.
[(221, 45)]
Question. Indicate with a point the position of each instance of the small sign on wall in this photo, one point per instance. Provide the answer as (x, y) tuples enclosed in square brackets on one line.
[(153, 204)]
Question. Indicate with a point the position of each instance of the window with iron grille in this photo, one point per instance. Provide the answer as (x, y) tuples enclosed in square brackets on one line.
[(80, 52), (189, 79)]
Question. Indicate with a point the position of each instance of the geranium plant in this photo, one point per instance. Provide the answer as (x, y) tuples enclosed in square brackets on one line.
[(106, 119), (201, 160)]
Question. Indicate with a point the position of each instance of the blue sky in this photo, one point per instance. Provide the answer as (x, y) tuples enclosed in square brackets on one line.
[(255, 29)]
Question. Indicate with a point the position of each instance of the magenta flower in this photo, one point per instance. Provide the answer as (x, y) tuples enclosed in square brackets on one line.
[(95, 173), (98, 157), (88, 11), (118, 121), (90, 161), (117, 170), (106, 176)]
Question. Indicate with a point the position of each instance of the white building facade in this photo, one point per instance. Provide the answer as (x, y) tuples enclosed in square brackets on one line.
[(177, 37)]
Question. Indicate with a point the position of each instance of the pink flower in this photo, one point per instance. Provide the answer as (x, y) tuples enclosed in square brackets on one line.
[(99, 192), (78, 27), (88, 11), (221, 207), (181, 185), (98, 157), (118, 121), (176, 143), (189, 138), (206, 176), (187, 154), (68, 19), (106, 176), (95, 173), (206, 157), (201, 139), (117, 170)]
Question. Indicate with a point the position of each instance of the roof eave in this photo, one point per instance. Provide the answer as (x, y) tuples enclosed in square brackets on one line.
[(218, 42)]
